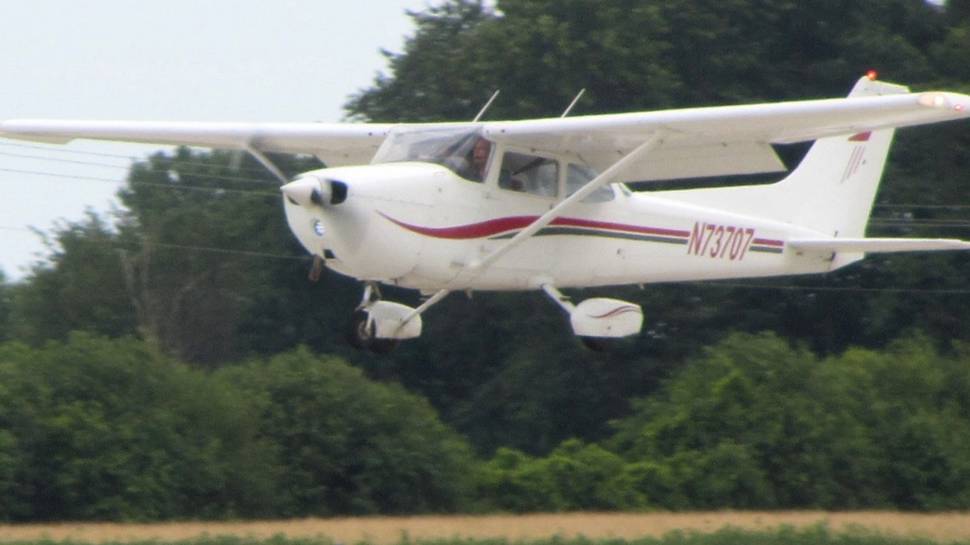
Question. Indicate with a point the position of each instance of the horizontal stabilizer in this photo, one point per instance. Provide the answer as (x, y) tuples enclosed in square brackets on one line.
[(878, 245)]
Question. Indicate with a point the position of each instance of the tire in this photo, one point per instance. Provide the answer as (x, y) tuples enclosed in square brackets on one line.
[(595, 344), (359, 335), (383, 346)]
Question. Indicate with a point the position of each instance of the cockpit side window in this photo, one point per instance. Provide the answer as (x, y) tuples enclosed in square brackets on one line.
[(529, 174), (579, 175)]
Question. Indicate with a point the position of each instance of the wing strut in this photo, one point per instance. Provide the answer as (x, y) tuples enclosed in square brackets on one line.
[(438, 296), (604, 178), (263, 160)]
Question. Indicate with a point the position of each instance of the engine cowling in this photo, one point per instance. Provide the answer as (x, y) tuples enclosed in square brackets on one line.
[(310, 190)]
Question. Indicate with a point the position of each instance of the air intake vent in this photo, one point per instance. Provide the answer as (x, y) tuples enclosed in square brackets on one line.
[(338, 192)]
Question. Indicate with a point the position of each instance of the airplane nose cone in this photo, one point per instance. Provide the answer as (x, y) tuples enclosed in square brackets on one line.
[(302, 191)]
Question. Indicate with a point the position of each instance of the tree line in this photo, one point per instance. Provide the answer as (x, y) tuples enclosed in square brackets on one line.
[(112, 429), (197, 282)]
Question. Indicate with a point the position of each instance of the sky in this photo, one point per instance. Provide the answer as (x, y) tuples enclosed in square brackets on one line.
[(177, 60)]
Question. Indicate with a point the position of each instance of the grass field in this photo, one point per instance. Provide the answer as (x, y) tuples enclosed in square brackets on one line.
[(939, 528)]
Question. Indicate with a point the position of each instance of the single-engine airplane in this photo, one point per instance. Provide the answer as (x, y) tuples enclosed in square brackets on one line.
[(541, 204)]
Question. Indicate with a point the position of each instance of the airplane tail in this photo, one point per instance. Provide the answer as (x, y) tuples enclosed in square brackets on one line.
[(833, 189)]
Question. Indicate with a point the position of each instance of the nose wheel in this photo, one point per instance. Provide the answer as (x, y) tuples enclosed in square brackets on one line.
[(361, 334), (362, 330)]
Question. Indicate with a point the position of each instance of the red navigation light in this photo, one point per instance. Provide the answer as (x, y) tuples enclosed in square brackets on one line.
[(872, 75)]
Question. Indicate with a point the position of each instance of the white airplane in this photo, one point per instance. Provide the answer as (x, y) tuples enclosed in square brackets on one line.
[(541, 204)]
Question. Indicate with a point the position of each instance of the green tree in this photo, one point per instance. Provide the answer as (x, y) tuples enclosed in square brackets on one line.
[(573, 477), (6, 302), (756, 423), (538, 53), (110, 429), (200, 238), (80, 287), (11, 506), (350, 446), (200, 263)]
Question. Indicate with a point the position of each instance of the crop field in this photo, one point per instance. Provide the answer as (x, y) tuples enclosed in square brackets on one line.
[(890, 526)]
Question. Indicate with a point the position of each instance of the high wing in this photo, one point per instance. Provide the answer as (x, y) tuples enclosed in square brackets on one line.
[(335, 143), (727, 140), (696, 141)]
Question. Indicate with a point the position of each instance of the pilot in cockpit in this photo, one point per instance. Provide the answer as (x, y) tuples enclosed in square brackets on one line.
[(474, 167)]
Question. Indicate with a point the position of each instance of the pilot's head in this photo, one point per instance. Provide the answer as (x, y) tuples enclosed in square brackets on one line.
[(480, 152)]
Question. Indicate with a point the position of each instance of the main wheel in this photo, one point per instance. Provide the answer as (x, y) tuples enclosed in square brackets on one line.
[(383, 346), (595, 344), (360, 335)]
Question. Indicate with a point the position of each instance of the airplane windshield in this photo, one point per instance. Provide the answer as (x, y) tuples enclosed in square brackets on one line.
[(465, 152)]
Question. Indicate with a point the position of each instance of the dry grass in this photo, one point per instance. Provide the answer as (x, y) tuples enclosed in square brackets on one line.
[(388, 530)]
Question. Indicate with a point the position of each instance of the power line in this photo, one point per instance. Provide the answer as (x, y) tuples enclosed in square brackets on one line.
[(111, 155), (210, 249), (77, 152), (218, 250), (147, 184), (57, 160), (261, 181)]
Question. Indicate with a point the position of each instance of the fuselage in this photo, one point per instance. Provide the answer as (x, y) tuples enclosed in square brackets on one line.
[(420, 225)]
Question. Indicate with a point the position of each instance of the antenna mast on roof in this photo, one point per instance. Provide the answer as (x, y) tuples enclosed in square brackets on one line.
[(573, 103), (485, 107)]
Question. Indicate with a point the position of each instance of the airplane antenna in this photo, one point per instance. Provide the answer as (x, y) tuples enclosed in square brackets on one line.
[(485, 107), (573, 103)]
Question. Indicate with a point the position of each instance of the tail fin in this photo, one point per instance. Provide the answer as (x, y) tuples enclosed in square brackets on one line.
[(833, 188), (831, 191)]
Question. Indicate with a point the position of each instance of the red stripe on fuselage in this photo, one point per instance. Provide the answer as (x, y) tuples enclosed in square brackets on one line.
[(768, 242), (503, 225), (472, 230)]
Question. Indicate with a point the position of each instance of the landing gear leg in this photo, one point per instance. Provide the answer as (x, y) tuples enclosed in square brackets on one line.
[(598, 321), (594, 344)]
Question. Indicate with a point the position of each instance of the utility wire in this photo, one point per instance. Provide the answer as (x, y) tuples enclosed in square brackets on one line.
[(58, 160), (210, 249), (130, 166), (148, 184), (112, 155)]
